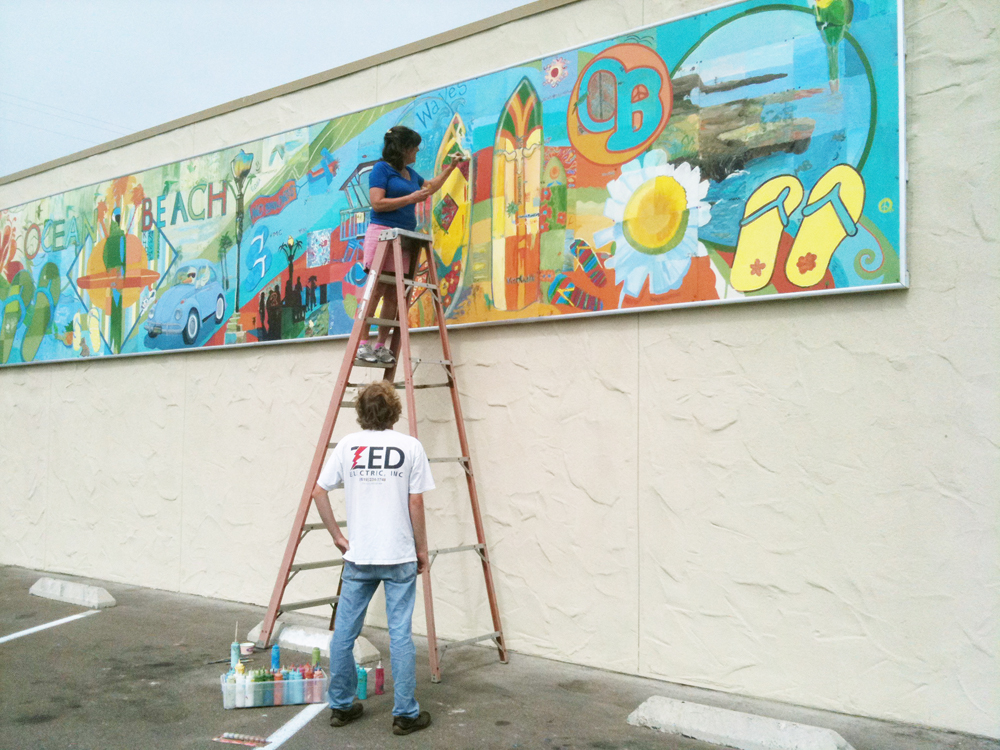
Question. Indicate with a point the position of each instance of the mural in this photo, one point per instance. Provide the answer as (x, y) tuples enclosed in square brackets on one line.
[(750, 151)]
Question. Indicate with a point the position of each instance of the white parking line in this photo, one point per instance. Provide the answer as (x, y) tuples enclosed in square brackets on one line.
[(47, 625), (302, 718)]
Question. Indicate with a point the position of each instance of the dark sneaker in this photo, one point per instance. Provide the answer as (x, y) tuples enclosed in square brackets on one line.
[(406, 725), (339, 718)]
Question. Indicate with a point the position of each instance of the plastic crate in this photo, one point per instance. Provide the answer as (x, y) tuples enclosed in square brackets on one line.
[(274, 693)]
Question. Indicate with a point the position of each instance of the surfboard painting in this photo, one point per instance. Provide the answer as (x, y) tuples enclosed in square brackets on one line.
[(450, 223), (744, 153), (517, 177)]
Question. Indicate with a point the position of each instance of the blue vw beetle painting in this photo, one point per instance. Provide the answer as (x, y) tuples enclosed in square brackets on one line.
[(195, 298)]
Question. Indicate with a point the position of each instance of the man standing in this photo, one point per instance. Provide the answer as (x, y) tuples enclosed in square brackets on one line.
[(384, 474)]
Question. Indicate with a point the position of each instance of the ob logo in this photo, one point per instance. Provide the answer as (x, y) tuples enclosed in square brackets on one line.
[(620, 104)]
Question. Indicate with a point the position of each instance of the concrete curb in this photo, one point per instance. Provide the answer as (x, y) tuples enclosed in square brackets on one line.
[(732, 728), (75, 593), (304, 638)]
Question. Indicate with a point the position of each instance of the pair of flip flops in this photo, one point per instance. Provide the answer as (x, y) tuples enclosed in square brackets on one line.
[(831, 214), (33, 307)]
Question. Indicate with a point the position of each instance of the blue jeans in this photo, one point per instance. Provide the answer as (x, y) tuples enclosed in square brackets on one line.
[(359, 585)]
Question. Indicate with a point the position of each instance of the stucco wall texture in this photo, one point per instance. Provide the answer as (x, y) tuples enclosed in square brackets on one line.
[(795, 500)]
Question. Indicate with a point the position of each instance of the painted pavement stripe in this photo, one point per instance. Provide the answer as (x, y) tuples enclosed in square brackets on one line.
[(47, 625), (302, 718)]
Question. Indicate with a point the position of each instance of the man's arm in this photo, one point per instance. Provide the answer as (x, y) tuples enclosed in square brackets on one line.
[(322, 499), (419, 530)]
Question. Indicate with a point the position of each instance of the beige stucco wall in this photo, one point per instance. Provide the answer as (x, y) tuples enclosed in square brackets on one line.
[(794, 500)]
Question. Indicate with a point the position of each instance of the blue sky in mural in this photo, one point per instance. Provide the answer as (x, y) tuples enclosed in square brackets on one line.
[(60, 93)]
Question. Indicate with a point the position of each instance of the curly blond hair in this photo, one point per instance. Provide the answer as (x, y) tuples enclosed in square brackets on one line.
[(378, 406)]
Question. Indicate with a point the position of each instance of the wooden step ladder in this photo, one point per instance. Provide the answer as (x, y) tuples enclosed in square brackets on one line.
[(408, 289)]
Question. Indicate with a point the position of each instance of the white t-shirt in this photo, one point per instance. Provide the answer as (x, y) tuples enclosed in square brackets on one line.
[(379, 469)]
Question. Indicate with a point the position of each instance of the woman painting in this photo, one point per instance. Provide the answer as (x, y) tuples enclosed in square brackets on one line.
[(395, 189)]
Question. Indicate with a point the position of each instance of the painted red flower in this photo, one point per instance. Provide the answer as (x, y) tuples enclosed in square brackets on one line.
[(561, 217), (806, 263), (546, 194), (757, 268)]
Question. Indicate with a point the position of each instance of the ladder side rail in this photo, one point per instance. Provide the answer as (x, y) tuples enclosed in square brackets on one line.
[(319, 456), (469, 477), (411, 411)]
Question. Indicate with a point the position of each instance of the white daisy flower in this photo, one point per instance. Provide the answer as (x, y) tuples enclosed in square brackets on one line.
[(657, 209)]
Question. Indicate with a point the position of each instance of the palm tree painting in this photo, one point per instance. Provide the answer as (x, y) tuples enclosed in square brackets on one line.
[(517, 177)]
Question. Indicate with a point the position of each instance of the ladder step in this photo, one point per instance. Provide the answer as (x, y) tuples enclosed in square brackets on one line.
[(463, 548), (393, 232), (446, 459), (317, 526), (316, 565), (310, 603), (389, 278), (348, 404), (418, 361), (489, 636), (418, 386), (383, 365), (381, 322)]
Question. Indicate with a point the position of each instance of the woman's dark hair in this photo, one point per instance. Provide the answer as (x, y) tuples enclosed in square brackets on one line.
[(378, 406), (398, 140)]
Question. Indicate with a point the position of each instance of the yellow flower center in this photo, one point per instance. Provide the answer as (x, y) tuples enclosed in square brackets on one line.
[(656, 215)]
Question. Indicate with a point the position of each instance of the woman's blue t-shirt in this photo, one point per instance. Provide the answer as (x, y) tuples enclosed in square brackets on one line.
[(385, 176)]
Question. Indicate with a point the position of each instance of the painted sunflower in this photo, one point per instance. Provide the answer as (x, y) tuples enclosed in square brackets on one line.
[(657, 209)]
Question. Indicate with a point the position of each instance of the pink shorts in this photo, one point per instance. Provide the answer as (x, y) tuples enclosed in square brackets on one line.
[(371, 243)]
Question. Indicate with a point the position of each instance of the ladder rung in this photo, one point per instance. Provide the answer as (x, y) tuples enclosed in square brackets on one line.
[(489, 636), (381, 322), (362, 363), (446, 459), (463, 548), (348, 404), (316, 565), (418, 361), (418, 386), (390, 278), (310, 603), (317, 526)]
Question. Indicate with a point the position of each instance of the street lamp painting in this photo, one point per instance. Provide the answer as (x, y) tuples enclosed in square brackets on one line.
[(241, 170)]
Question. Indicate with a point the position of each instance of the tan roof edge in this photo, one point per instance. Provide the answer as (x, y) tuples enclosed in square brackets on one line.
[(485, 24)]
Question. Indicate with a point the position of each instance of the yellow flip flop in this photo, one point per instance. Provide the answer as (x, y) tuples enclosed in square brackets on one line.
[(832, 213), (765, 217)]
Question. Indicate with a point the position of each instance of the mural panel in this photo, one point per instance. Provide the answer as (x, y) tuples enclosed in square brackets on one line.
[(750, 151)]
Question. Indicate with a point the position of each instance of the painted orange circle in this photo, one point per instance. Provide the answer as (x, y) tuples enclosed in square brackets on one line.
[(620, 101)]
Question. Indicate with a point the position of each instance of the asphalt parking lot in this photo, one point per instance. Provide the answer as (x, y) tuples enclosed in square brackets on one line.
[(139, 676)]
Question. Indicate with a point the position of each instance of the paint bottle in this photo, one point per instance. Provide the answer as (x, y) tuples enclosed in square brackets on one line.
[(315, 657), (312, 688), (279, 688), (362, 692), (249, 701), (268, 689), (228, 691), (241, 688), (275, 657), (379, 679), (234, 654)]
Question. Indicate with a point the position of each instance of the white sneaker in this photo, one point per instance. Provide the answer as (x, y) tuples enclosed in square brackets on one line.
[(366, 353), (384, 356)]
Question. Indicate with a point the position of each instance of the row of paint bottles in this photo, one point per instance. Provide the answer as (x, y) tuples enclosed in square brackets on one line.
[(269, 687)]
